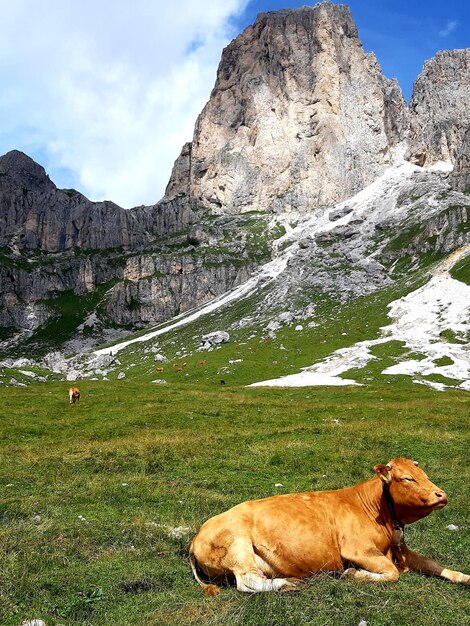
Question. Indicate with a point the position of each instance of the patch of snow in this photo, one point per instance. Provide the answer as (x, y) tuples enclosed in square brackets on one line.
[(305, 379), (420, 318), (443, 304), (441, 166), (327, 371), (432, 384), (465, 385)]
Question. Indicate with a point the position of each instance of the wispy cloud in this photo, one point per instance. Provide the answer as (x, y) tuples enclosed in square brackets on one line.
[(108, 92), (449, 28)]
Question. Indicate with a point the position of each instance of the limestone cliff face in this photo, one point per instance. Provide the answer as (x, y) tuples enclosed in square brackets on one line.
[(440, 111), (461, 173), (300, 116), (136, 290), (166, 287)]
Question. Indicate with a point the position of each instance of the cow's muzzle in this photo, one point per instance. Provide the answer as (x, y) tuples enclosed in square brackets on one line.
[(440, 499)]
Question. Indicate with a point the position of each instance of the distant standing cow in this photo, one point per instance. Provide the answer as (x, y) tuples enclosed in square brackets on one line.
[(74, 395)]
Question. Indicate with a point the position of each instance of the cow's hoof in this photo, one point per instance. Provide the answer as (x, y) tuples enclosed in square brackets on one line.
[(349, 573), (292, 584)]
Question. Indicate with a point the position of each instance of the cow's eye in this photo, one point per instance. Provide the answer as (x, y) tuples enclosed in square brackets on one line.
[(408, 479)]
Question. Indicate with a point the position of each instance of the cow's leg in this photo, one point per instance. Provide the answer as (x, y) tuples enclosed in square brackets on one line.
[(226, 555), (252, 573), (254, 582), (374, 566), (422, 564)]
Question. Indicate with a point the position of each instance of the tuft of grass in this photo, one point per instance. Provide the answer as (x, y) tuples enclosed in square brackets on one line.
[(451, 336), (445, 360)]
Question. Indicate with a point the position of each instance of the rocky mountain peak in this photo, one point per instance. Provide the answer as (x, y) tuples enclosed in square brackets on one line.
[(300, 116), (439, 111), (336, 14), (19, 171)]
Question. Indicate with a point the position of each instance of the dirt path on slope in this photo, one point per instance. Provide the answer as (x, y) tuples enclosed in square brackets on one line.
[(453, 258)]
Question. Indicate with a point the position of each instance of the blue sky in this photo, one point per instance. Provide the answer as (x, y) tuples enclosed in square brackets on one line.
[(105, 97)]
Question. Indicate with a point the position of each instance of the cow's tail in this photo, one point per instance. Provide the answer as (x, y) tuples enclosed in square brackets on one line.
[(209, 588)]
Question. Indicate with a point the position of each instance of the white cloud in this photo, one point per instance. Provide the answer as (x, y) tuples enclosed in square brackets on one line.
[(449, 28), (108, 90)]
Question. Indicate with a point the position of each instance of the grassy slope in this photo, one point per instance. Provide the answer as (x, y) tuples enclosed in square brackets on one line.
[(338, 326), (187, 453)]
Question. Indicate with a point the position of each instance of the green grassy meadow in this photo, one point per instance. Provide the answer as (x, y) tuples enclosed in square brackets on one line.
[(100, 499)]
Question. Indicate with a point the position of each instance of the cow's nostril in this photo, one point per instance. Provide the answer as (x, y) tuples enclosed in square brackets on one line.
[(441, 494)]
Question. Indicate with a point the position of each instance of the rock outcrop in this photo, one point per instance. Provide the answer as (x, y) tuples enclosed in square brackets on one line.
[(300, 116), (440, 111), (168, 287)]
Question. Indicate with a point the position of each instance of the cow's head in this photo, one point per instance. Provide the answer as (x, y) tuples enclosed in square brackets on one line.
[(413, 494)]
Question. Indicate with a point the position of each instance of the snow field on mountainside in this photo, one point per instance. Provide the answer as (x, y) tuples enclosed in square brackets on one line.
[(419, 320)]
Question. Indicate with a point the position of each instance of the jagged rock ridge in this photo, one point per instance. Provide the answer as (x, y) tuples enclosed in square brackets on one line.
[(35, 215), (144, 263)]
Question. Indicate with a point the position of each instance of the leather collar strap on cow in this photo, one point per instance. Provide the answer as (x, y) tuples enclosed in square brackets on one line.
[(398, 535)]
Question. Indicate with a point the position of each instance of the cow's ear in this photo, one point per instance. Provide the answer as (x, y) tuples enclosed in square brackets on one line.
[(384, 472)]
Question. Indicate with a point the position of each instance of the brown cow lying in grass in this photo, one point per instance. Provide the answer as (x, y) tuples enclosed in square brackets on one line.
[(74, 394), (274, 543)]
